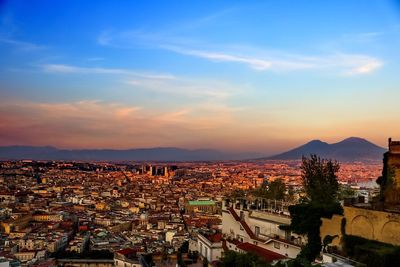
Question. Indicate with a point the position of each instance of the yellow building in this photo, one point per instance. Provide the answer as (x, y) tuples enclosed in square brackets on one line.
[(208, 206), (17, 224), (102, 206)]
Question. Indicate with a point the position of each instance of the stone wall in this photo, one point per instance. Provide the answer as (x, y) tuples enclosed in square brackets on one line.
[(392, 192), (371, 224), (394, 146)]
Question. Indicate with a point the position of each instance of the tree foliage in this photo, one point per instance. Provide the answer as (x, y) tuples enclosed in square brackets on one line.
[(319, 177), (370, 252), (346, 191), (237, 193), (271, 190)]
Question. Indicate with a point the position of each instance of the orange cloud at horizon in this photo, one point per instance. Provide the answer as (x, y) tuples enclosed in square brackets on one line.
[(94, 124)]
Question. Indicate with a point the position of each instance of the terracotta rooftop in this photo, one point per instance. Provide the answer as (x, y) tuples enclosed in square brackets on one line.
[(214, 238), (128, 251), (261, 252)]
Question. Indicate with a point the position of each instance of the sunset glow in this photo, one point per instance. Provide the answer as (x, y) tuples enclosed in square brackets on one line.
[(236, 76)]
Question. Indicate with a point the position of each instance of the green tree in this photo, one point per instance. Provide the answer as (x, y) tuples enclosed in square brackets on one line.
[(261, 191), (277, 189), (346, 191), (319, 177), (237, 193), (271, 190)]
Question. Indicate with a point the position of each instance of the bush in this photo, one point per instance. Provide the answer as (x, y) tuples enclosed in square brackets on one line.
[(370, 252)]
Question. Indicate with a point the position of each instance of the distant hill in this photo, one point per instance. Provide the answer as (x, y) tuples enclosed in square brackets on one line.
[(145, 154), (350, 149)]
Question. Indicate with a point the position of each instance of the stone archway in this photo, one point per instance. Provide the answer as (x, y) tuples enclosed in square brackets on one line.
[(362, 226), (391, 232)]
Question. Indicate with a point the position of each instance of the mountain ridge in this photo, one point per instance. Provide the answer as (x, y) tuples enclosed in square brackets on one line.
[(18, 152), (349, 149)]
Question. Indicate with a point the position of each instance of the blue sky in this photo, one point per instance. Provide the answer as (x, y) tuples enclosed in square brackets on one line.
[(235, 75)]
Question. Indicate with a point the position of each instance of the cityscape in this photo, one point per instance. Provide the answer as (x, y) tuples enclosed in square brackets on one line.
[(199, 133)]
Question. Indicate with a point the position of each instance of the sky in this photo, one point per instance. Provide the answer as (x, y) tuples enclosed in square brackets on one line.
[(260, 76)]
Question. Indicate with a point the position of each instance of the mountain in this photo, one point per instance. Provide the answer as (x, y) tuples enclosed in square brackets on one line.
[(144, 154), (350, 149)]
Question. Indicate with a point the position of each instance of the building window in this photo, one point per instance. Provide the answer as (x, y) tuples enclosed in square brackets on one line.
[(277, 245)]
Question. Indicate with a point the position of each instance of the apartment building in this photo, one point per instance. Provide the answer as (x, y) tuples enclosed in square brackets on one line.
[(248, 226), (210, 246)]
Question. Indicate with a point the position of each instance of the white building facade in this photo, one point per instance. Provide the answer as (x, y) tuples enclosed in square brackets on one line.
[(260, 227)]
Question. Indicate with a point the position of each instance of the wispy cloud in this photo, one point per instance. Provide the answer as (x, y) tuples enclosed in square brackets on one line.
[(255, 63), (355, 64), (367, 68), (187, 87), (22, 45), (363, 37), (345, 63), (255, 58), (70, 69), (101, 124), (157, 82), (104, 38), (9, 30)]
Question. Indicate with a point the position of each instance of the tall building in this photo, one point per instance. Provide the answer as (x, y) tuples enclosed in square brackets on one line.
[(153, 170)]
